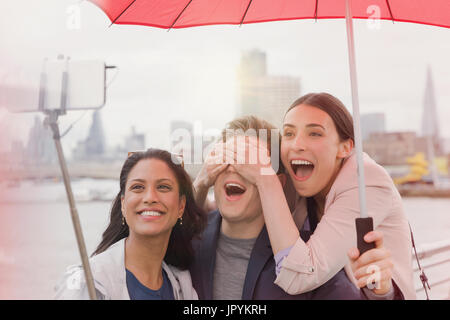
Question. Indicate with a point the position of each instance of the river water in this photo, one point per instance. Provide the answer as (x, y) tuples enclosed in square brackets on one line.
[(37, 241)]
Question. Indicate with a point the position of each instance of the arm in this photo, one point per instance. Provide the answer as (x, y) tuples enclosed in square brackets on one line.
[(309, 265), (201, 193), (283, 233)]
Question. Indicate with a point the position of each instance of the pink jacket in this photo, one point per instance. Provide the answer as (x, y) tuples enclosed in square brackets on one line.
[(311, 264)]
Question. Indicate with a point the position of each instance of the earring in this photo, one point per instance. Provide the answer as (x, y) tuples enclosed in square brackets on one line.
[(181, 221), (123, 220)]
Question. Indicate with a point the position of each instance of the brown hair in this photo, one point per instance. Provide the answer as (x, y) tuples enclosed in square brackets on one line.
[(179, 251), (247, 123), (328, 103)]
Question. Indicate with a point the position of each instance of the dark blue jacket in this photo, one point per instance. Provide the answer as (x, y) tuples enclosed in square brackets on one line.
[(260, 277)]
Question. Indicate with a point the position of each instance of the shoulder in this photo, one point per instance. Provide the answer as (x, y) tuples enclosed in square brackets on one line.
[(214, 217), (213, 220), (381, 192), (106, 268), (382, 197), (374, 174), (109, 262), (72, 286), (177, 272), (113, 256), (181, 282)]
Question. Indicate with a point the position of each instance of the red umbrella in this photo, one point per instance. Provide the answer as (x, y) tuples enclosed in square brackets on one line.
[(189, 13), (170, 14)]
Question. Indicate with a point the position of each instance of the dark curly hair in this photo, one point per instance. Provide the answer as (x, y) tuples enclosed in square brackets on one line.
[(179, 251)]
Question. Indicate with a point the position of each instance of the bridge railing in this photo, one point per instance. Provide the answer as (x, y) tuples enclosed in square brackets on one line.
[(432, 256)]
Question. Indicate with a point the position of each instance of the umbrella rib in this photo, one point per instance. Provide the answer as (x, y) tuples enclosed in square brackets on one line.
[(315, 10), (390, 11), (179, 15), (122, 12), (245, 13)]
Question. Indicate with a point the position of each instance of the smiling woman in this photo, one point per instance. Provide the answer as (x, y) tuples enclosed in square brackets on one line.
[(317, 152), (146, 248)]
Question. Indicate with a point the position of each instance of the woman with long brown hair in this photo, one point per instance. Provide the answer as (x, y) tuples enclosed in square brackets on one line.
[(317, 152), (146, 248)]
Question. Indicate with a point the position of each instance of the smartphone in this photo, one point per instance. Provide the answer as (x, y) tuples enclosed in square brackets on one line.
[(62, 84)]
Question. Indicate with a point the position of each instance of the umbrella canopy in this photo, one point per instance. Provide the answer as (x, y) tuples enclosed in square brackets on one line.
[(189, 13)]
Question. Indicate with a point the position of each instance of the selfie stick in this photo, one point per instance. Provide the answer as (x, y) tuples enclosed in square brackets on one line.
[(364, 224), (52, 121)]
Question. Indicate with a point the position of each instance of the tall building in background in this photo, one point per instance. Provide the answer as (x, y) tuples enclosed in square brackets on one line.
[(40, 148), (93, 147), (430, 128), (261, 94), (372, 123), (430, 119), (95, 142)]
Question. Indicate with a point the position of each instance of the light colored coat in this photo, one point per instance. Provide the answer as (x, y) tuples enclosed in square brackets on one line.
[(108, 270), (311, 264)]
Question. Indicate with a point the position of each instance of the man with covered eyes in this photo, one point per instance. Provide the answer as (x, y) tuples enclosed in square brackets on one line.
[(234, 258)]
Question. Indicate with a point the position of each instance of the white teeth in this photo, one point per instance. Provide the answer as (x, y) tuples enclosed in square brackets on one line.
[(234, 185), (150, 213), (301, 162)]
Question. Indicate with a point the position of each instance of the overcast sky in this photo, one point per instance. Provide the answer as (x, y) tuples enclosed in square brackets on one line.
[(189, 74)]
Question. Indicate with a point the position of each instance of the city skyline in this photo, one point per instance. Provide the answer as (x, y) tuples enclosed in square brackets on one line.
[(256, 87), (40, 147), (191, 74)]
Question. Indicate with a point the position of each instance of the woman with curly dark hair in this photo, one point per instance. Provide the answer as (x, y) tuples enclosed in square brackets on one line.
[(146, 249)]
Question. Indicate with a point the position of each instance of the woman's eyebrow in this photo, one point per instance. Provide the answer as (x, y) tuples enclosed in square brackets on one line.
[(312, 125), (159, 180), (164, 179)]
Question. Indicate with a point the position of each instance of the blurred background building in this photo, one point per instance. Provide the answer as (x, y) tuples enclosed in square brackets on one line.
[(93, 147), (40, 148), (392, 148), (262, 94)]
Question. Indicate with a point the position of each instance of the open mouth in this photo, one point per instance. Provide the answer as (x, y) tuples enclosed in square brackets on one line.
[(302, 169), (150, 213), (234, 191)]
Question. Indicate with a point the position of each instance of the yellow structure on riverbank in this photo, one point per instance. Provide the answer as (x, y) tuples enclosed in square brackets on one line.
[(419, 168)]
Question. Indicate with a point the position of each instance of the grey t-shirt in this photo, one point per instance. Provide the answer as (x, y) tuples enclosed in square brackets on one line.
[(232, 258)]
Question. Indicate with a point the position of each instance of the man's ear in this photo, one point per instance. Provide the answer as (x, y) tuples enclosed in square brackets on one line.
[(282, 178), (345, 148)]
